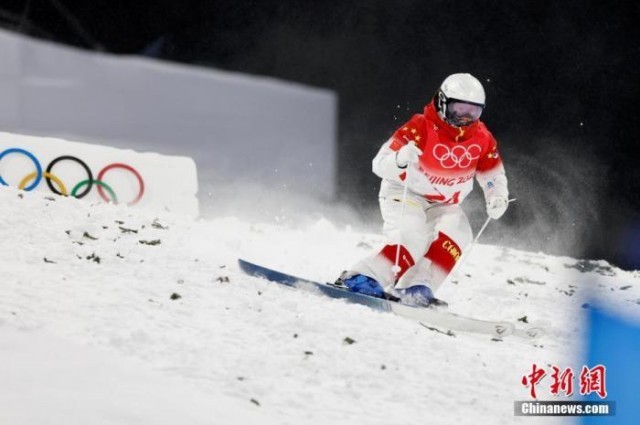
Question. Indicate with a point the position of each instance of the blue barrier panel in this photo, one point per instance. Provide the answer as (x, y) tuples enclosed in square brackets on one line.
[(615, 343)]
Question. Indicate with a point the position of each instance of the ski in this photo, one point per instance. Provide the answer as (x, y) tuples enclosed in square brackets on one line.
[(429, 316)]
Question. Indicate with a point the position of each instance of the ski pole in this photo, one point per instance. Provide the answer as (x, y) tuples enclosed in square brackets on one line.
[(396, 267), (468, 250)]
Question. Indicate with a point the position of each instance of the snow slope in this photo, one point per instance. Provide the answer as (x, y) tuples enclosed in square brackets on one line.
[(112, 315)]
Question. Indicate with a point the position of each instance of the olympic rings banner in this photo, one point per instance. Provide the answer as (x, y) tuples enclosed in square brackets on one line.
[(99, 173)]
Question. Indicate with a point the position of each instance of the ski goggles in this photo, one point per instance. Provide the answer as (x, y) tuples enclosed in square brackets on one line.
[(460, 113)]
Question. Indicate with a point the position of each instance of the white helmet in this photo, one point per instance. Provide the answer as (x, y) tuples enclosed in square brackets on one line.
[(460, 100)]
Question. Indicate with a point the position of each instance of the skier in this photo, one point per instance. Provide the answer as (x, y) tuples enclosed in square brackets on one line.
[(436, 154)]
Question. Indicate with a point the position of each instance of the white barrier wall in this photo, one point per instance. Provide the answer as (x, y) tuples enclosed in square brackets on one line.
[(236, 127), (155, 182)]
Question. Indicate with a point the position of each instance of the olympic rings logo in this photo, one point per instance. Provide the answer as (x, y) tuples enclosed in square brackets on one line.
[(459, 156), (49, 177)]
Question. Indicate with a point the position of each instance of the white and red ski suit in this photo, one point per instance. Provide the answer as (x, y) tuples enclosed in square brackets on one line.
[(432, 231)]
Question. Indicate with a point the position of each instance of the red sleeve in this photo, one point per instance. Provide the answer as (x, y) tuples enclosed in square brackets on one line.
[(414, 130), (490, 158)]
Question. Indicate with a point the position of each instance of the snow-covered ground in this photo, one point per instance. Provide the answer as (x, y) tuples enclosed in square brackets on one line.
[(112, 315)]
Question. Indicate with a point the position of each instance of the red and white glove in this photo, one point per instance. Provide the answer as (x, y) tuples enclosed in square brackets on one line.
[(408, 154), (497, 206)]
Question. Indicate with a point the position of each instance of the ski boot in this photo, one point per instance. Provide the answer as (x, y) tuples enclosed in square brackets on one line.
[(420, 296), (360, 283)]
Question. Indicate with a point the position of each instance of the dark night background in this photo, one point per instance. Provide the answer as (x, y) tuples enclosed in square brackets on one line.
[(561, 78)]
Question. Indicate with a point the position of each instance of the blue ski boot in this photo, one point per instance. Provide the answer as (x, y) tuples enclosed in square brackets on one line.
[(420, 296), (361, 284)]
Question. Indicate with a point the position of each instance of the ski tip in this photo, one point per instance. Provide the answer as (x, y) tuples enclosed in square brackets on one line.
[(245, 265), (503, 329), (530, 333)]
